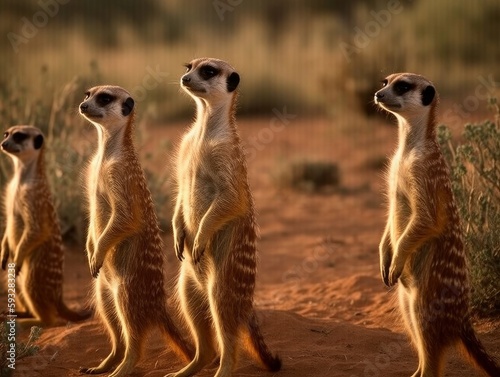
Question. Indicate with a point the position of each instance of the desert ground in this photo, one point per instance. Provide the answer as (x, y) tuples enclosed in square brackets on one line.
[(319, 297)]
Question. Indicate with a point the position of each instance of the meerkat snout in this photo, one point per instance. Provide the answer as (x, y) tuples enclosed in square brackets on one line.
[(110, 102), (22, 139), (211, 79), (405, 93)]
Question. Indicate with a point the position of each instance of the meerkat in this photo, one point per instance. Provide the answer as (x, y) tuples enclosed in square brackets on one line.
[(214, 226), (422, 245), (124, 247), (32, 238)]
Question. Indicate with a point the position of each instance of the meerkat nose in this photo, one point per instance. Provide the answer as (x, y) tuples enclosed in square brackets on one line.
[(185, 79), (377, 97), (83, 107)]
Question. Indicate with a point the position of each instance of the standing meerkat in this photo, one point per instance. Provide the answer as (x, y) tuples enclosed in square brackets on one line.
[(32, 237), (124, 246), (422, 243), (214, 227)]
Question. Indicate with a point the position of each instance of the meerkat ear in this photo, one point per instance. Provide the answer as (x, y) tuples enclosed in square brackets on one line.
[(428, 95), (38, 141), (127, 106), (232, 81)]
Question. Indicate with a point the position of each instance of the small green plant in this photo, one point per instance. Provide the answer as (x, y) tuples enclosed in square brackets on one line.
[(22, 349), (475, 176)]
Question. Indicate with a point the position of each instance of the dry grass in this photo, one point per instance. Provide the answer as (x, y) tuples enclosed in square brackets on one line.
[(286, 54)]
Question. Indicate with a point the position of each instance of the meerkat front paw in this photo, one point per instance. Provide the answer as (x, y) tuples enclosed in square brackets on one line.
[(180, 237), (395, 271), (386, 253), (198, 250), (18, 263), (5, 258), (95, 266), (385, 265)]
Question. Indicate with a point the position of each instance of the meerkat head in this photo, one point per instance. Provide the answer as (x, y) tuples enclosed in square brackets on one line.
[(407, 95), (23, 142), (212, 80), (108, 106)]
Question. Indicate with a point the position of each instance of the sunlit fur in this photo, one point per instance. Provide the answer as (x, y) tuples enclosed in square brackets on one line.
[(32, 236), (124, 247), (422, 244), (214, 229)]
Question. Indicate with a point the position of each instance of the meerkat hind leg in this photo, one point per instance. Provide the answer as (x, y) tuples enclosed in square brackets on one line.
[(106, 308), (132, 353), (133, 333), (227, 332), (43, 314), (430, 344), (408, 318), (195, 305)]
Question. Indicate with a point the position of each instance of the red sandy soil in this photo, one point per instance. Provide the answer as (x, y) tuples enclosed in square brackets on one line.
[(319, 297)]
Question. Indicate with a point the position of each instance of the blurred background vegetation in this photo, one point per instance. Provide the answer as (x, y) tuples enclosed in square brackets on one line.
[(319, 58)]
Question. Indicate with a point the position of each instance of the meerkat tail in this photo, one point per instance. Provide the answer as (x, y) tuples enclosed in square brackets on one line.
[(178, 344), (258, 348), (475, 350), (71, 315)]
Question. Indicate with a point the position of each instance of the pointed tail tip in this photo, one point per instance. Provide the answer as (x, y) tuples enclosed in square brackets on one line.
[(275, 364), (476, 351)]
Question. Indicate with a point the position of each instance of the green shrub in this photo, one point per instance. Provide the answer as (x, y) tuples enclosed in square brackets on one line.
[(475, 175), (22, 349)]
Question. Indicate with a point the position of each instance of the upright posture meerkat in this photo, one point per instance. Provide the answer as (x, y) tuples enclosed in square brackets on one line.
[(214, 226), (32, 236), (422, 243), (124, 247)]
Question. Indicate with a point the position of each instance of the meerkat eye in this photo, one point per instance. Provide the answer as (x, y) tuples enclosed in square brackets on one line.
[(104, 99), (5, 135), (87, 95), (401, 87), (384, 83), (19, 137), (207, 72), (188, 66)]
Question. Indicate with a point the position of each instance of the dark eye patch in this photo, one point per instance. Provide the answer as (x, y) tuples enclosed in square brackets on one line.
[(401, 87), (19, 137), (104, 99), (207, 72)]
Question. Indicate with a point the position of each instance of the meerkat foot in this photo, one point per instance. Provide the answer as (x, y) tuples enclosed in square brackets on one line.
[(96, 370), (122, 370), (197, 364), (106, 365)]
